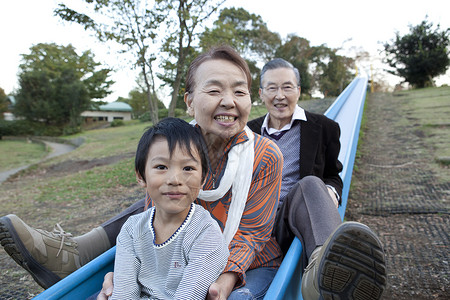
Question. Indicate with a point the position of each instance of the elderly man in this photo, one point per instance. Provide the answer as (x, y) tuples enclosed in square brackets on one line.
[(345, 259)]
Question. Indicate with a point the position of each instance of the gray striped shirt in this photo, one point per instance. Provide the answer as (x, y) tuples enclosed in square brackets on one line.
[(183, 267)]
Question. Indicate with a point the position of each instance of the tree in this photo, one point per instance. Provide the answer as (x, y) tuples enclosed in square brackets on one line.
[(248, 34), (244, 31), (137, 27), (420, 55), (3, 103), (56, 84), (298, 51), (190, 15), (137, 99), (332, 70)]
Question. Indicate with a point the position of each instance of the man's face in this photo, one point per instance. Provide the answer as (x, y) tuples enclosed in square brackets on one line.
[(280, 94)]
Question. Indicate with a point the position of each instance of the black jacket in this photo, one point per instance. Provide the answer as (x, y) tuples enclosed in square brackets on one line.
[(319, 148)]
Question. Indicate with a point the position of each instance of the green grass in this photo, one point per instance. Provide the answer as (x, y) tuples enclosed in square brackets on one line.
[(85, 184), (430, 110), (16, 153), (110, 141)]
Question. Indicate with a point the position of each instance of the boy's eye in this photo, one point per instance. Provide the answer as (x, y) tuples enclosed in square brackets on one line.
[(188, 168), (160, 167)]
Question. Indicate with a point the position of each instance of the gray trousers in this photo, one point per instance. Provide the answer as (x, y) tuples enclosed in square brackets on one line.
[(307, 212)]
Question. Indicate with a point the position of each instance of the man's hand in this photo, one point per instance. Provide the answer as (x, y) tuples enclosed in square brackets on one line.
[(222, 288), (333, 196), (107, 287)]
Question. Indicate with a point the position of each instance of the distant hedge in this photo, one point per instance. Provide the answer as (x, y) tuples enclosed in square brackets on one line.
[(24, 127)]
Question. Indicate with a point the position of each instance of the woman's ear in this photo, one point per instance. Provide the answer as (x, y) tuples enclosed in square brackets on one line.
[(140, 180), (188, 100), (203, 183)]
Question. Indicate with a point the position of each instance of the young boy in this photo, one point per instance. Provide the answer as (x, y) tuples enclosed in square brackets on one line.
[(174, 250)]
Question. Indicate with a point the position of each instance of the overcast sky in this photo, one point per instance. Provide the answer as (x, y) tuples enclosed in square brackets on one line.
[(349, 24)]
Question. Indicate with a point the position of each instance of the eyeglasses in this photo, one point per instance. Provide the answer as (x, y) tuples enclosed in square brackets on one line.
[(287, 89)]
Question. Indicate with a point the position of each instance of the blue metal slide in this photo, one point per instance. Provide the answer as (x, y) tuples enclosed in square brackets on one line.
[(347, 111)]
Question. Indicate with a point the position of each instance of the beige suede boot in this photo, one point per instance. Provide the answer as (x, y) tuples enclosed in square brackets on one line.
[(47, 256)]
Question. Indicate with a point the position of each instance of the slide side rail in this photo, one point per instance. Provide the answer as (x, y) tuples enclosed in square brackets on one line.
[(347, 110)]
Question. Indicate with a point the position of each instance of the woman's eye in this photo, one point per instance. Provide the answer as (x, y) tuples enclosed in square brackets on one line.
[(241, 93), (214, 92)]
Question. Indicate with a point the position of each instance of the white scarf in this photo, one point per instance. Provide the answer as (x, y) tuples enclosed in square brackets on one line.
[(238, 176)]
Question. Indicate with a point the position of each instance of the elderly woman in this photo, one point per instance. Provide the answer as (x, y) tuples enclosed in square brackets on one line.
[(241, 190)]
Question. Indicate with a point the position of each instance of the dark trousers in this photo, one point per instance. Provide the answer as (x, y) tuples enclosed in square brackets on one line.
[(112, 226), (308, 213)]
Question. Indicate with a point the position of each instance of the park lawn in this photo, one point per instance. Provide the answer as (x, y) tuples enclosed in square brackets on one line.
[(17, 153), (429, 108)]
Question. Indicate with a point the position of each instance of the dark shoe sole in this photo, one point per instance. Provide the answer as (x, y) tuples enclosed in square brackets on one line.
[(353, 266), (15, 248)]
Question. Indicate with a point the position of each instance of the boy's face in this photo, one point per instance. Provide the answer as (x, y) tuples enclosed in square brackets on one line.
[(173, 182)]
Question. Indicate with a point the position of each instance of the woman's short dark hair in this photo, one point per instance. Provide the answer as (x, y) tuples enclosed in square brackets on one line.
[(178, 133), (278, 63), (223, 52)]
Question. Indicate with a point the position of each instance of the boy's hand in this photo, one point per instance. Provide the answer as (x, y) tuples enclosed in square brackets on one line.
[(107, 287)]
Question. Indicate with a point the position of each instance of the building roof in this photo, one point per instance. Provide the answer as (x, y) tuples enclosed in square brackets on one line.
[(11, 99), (115, 106)]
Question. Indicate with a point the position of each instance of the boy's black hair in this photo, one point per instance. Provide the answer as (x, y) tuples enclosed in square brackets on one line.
[(178, 133)]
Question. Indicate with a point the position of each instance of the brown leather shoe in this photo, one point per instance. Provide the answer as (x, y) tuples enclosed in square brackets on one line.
[(47, 256), (350, 265)]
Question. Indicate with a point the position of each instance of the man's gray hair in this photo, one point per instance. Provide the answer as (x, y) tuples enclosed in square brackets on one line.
[(278, 63)]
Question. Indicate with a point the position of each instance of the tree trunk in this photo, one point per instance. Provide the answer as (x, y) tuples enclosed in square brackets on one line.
[(151, 102)]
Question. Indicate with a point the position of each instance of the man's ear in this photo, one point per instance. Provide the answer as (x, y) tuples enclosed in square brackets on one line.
[(140, 180), (188, 101), (259, 93)]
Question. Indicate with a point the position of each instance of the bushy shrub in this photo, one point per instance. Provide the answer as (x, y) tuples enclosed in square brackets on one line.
[(117, 123), (15, 128), (145, 117)]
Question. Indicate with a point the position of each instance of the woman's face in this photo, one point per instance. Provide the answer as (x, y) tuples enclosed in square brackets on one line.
[(220, 101)]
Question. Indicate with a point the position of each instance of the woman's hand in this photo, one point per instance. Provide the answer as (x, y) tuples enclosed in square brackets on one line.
[(222, 288), (107, 287)]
